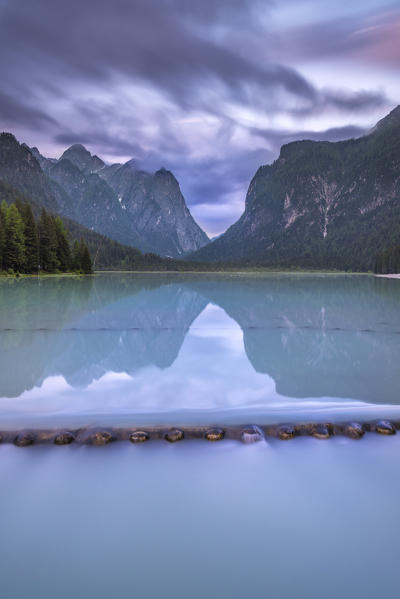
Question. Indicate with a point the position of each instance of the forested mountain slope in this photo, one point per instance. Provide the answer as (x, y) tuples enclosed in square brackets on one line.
[(321, 204)]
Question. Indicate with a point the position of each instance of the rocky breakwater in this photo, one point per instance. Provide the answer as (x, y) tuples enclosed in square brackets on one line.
[(246, 434)]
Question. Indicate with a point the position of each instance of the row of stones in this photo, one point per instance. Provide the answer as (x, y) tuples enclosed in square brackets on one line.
[(246, 434)]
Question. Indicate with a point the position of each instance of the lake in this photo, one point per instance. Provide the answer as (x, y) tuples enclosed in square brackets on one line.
[(277, 518)]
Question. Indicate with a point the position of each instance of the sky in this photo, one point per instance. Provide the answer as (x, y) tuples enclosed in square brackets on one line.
[(209, 89)]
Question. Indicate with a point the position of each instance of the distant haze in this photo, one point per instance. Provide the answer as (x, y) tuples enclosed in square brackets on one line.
[(209, 90)]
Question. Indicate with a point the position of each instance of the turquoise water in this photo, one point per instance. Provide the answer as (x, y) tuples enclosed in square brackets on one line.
[(307, 518), (194, 347)]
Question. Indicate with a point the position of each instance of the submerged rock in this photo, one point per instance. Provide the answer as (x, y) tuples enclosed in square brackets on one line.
[(215, 434), (385, 427), (322, 431), (64, 438), (354, 430), (251, 434), (174, 435), (24, 439), (139, 437), (286, 432)]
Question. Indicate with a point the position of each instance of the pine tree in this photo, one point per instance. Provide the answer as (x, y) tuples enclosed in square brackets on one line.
[(76, 256), (31, 239), (86, 261), (14, 251), (2, 236), (397, 259), (63, 249), (47, 243), (81, 260)]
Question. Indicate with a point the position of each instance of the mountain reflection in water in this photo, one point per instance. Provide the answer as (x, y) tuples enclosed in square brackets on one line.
[(300, 336)]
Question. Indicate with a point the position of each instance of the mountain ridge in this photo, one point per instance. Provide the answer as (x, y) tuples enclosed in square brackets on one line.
[(143, 210), (320, 204)]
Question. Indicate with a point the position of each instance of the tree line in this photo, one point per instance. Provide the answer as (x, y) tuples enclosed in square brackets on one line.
[(30, 246), (388, 262)]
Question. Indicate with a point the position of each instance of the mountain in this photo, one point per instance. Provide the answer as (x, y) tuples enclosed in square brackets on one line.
[(157, 207), (320, 204), (22, 171), (134, 207), (89, 200), (83, 159)]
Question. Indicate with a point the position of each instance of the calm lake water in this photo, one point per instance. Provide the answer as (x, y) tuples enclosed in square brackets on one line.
[(307, 518)]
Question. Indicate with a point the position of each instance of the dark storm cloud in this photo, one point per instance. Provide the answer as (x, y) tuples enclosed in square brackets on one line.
[(145, 39), (166, 44), (331, 134), (217, 178), (127, 77), (123, 144), (355, 102), (279, 138), (15, 111), (100, 140)]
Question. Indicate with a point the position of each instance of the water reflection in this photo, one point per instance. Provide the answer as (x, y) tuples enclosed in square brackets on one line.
[(336, 336), (200, 340)]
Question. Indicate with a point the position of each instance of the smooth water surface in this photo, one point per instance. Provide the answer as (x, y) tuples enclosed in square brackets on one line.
[(303, 518), (198, 347)]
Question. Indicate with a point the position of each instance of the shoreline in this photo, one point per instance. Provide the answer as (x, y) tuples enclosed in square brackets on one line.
[(233, 272), (198, 272)]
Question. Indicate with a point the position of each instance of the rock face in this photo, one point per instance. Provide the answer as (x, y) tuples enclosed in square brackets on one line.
[(321, 204), (90, 201), (144, 210), (139, 209), (83, 159), (20, 169), (155, 204)]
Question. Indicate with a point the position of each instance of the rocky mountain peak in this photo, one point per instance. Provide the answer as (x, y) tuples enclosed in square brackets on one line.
[(129, 205), (132, 164), (165, 175), (20, 169), (6, 137), (391, 120), (83, 159), (11, 151)]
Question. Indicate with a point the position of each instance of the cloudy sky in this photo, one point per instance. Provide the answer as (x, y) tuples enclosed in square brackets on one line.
[(207, 88)]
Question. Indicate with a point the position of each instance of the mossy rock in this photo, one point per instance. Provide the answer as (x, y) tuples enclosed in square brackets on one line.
[(322, 431), (214, 434), (354, 430), (385, 427), (24, 439), (64, 438), (174, 435), (286, 432), (139, 437), (99, 438)]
